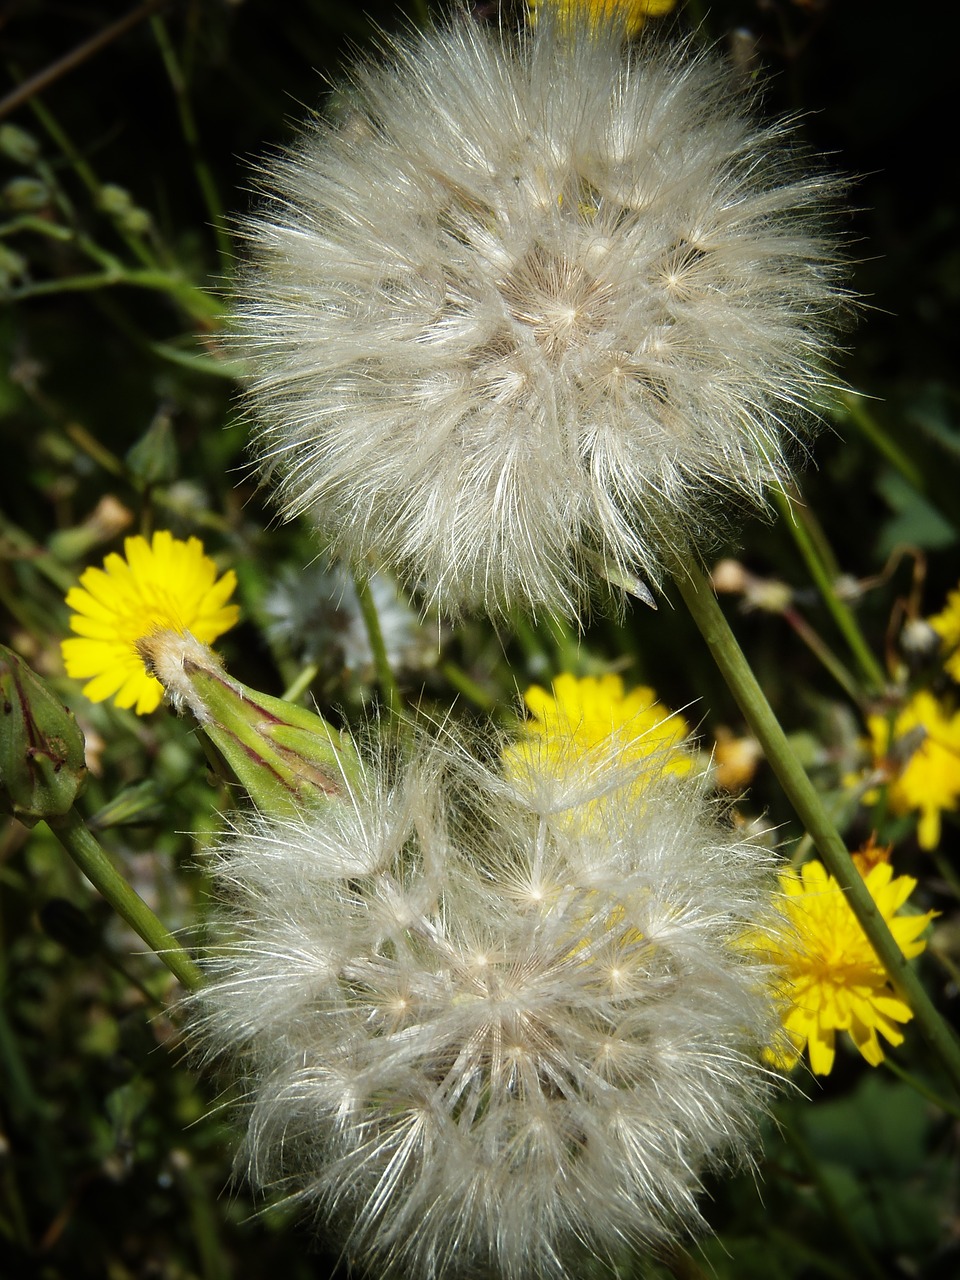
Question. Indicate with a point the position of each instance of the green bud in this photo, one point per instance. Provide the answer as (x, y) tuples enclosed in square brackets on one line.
[(42, 765), (114, 201), (153, 458), (18, 145), (26, 195), (285, 757), (136, 221), (134, 806)]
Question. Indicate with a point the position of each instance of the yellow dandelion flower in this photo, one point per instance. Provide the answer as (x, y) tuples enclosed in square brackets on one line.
[(580, 717), (947, 626), (162, 584), (633, 13), (920, 751), (831, 978)]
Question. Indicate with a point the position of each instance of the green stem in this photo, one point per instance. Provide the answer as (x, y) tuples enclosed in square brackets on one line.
[(950, 1108), (729, 657), (468, 687), (188, 124), (824, 654), (75, 837), (85, 173), (200, 306), (301, 684), (371, 620), (798, 521), (882, 441)]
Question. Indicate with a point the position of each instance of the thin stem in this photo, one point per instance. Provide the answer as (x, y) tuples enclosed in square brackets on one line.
[(824, 654), (76, 838), (729, 657), (371, 620), (188, 124), (200, 306), (798, 521), (922, 1088), (85, 173), (78, 55), (304, 680), (468, 687), (882, 441)]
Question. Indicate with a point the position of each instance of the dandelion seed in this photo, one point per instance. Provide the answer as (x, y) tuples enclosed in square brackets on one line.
[(164, 584), (482, 1038), (535, 304), (832, 979)]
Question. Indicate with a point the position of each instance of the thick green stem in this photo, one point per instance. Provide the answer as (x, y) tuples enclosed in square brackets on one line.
[(75, 837), (709, 617)]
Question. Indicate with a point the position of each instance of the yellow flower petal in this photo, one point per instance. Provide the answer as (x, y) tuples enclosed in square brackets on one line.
[(920, 750), (581, 718), (830, 978)]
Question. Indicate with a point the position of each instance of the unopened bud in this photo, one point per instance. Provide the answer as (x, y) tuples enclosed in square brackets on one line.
[(18, 145), (26, 195), (42, 766), (283, 755), (153, 458)]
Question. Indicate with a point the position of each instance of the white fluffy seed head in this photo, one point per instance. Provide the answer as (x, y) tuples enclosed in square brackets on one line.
[(486, 1031), (532, 306)]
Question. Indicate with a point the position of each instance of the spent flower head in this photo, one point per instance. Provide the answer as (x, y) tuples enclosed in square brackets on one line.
[(315, 613), (482, 1038), (533, 309), (832, 980), (163, 584)]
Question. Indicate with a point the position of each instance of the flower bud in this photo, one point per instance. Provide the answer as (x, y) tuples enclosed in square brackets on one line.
[(18, 145), (26, 195), (42, 766), (153, 458), (283, 755)]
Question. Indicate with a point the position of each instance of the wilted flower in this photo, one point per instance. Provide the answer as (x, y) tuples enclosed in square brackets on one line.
[(832, 979), (480, 1037), (532, 310), (157, 585)]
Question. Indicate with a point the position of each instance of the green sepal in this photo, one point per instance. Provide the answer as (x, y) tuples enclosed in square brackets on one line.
[(285, 757)]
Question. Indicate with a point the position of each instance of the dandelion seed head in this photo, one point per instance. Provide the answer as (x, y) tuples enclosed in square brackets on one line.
[(535, 302), (482, 1038)]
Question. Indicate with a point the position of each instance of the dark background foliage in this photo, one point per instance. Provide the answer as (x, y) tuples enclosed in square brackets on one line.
[(114, 1158)]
